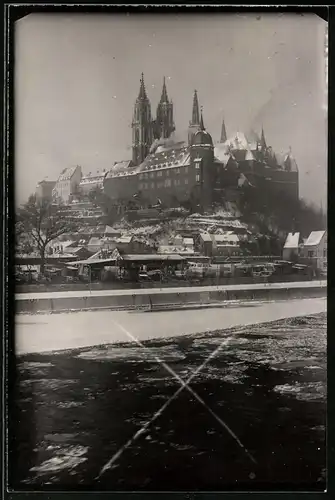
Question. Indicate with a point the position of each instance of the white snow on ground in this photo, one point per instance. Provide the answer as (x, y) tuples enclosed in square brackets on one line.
[(55, 332)]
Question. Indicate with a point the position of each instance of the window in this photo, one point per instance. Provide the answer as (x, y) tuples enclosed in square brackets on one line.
[(325, 252), (177, 182), (167, 182), (197, 165), (145, 185), (197, 178), (310, 254), (186, 181), (167, 173), (178, 170), (152, 175), (160, 173), (145, 176), (152, 185), (186, 170)]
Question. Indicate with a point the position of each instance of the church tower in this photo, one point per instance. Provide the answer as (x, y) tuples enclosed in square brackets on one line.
[(164, 117), (202, 160), (223, 137), (141, 125), (195, 122)]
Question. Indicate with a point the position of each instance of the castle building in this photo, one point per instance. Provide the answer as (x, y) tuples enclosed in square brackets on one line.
[(197, 173)]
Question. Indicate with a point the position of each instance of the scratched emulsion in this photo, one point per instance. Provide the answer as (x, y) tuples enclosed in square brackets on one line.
[(78, 408)]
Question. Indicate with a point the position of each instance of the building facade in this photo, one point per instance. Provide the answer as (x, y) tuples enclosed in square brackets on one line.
[(91, 181), (67, 185)]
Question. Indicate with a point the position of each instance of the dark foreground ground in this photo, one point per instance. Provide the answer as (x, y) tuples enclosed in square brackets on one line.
[(77, 409)]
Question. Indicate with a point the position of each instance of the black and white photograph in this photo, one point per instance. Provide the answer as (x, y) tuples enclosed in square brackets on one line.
[(170, 251)]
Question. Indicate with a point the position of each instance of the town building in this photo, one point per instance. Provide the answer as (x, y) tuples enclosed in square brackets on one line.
[(224, 244), (170, 173), (44, 190), (314, 251), (91, 181), (67, 185)]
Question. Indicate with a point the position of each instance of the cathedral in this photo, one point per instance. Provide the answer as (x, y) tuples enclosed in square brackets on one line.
[(198, 172)]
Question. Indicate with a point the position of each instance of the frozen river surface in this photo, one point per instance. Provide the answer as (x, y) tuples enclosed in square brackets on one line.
[(118, 417), (55, 332)]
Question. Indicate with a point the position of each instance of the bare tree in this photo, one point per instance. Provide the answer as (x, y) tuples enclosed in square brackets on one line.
[(44, 222)]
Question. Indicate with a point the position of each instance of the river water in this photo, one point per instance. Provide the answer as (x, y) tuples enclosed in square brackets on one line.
[(88, 418)]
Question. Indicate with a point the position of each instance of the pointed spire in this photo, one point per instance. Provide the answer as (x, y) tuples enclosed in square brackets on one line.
[(195, 109), (223, 132), (164, 96), (142, 94), (202, 126), (263, 141)]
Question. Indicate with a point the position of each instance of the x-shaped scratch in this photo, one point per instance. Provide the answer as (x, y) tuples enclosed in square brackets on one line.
[(183, 385)]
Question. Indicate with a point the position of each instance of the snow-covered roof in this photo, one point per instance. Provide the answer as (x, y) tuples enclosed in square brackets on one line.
[(94, 241), (74, 250), (166, 159), (169, 249), (227, 237), (314, 238), (237, 141), (122, 168), (205, 237), (111, 230), (221, 153), (67, 173), (124, 239), (188, 241), (292, 240)]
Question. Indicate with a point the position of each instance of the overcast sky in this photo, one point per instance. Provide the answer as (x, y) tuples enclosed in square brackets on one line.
[(77, 77)]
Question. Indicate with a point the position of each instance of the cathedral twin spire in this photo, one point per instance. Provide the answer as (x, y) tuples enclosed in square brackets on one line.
[(145, 130)]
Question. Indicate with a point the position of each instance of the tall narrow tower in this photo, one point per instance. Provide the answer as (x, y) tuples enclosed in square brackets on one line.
[(195, 122), (263, 141), (164, 116), (223, 137), (141, 125)]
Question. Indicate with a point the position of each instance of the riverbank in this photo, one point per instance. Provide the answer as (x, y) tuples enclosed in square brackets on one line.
[(55, 332), (46, 302)]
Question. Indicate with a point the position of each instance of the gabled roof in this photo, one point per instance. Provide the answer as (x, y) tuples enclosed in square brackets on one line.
[(111, 230), (292, 240), (67, 173), (314, 238), (164, 159), (121, 167), (205, 237), (94, 241)]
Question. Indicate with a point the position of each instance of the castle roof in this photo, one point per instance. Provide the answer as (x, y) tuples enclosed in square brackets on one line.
[(167, 158), (202, 137), (122, 168)]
